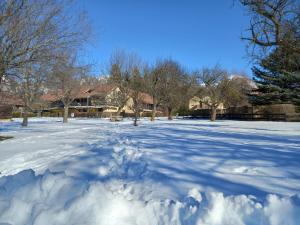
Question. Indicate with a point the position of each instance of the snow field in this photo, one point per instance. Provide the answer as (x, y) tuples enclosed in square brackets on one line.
[(97, 172)]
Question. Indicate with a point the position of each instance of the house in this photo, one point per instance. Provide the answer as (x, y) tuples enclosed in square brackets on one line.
[(243, 82), (94, 101)]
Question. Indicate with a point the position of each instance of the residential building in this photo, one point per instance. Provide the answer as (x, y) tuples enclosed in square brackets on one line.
[(95, 101)]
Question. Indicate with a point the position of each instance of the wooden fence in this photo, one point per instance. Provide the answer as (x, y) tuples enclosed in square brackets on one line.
[(244, 116)]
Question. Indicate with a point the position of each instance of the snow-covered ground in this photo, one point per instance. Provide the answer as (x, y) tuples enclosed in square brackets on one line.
[(93, 171)]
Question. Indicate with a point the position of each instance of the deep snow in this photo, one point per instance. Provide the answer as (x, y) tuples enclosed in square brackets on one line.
[(93, 171)]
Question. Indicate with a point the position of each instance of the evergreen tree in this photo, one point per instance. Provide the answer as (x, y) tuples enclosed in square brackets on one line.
[(274, 36), (277, 78)]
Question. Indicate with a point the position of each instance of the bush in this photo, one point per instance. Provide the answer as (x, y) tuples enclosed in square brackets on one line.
[(16, 114), (19, 114), (147, 114), (182, 111)]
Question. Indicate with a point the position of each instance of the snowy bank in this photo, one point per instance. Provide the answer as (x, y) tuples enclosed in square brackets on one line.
[(54, 198)]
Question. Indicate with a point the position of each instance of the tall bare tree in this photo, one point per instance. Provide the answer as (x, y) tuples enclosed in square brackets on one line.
[(153, 83), (239, 88), (273, 23), (275, 32), (121, 67), (172, 85), (32, 31), (120, 80), (65, 81), (215, 83), (31, 79), (137, 88)]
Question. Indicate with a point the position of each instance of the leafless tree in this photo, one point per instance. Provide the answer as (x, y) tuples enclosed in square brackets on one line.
[(153, 82), (137, 88), (32, 31), (29, 83), (215, 84), (239, 88), (65, 81), (121, 67), (273, 23), (120, 94), (172, 85)]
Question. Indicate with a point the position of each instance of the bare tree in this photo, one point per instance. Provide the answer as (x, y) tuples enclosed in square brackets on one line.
[(172, 85), (65, 81), (32, 31), (137, 87), (121, 67), (153, 83), (120, 94), (8, 10), (215, 84), (239, 88), (273, 23), (29, 87), (183, 84)]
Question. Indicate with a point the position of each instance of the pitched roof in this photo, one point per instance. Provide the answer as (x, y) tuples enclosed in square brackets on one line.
[(89, 91), (83, 92), (102, 88), (49, 97), (99, 89)]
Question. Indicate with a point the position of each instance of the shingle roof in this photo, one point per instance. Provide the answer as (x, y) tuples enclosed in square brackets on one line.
[(89, 91), (84, 92)]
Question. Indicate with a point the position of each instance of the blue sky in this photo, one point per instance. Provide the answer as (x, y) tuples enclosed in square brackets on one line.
[(196, 33)]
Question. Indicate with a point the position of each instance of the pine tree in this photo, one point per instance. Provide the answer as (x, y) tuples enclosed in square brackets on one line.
[(277, 78)]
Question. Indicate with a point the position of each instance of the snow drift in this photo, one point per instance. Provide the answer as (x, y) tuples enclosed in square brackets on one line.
[(55, 198)]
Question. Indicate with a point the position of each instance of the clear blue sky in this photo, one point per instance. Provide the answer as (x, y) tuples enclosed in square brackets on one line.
[(196, 33)]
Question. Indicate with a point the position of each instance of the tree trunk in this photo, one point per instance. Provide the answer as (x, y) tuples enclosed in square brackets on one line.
[(120, 108), (135, 119), (25, 117), (153, 114), (170, 113), (119, 111), (2, 72), (66, 114), (39, 113), (213, 114)]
